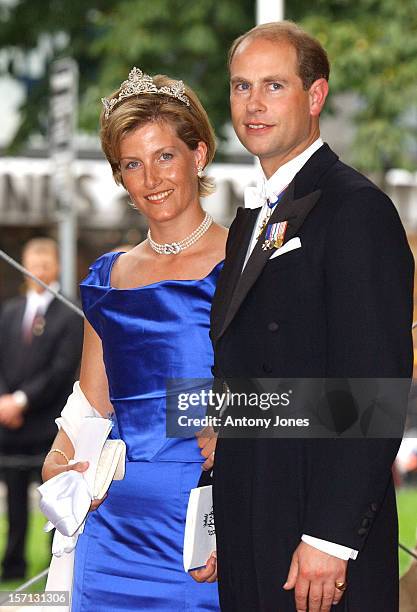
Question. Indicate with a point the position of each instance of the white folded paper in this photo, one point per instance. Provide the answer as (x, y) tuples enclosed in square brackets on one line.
[(291, 245), (200, 534)]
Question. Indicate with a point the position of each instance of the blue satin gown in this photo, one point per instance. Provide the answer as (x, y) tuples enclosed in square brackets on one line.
[(129, 557)]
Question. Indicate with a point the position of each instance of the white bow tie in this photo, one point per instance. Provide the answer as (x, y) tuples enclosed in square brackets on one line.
[(254, 197), (258, 196)]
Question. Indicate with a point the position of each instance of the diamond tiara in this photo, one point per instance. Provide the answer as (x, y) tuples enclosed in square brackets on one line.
[(140, 83)]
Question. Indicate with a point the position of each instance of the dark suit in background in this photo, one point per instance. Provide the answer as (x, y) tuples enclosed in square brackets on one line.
[(45, 370), (339, 306)]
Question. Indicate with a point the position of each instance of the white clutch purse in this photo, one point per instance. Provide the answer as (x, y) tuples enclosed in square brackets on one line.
[(66, 498), (111, 466)]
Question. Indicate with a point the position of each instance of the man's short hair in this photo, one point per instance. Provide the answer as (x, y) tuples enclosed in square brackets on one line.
[(313, 62), (41, 245)]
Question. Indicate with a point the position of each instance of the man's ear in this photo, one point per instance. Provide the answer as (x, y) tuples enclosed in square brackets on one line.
[(318, 94)]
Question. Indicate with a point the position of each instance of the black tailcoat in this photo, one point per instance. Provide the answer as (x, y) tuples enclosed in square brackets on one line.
[(45, 370), (339, 306)]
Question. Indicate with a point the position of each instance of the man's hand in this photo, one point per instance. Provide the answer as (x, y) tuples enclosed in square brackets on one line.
[(207, 573), (314, 574), (11, 413), (207, 440)]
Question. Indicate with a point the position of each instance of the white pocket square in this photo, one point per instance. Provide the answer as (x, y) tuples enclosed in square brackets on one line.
[(294, 243)]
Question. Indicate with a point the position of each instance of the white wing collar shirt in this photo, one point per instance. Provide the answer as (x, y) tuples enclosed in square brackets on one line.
[(37, 303), (269, 190)]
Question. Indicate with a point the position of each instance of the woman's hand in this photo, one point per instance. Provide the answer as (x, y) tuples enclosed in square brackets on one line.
[(207, 573), (52, 467)]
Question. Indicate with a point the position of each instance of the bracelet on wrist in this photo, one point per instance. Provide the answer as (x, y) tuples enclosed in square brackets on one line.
[(57, 450)]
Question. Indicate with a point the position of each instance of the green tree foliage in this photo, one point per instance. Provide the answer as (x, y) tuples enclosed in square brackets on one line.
[(183, 39), (180, 38), (372, 45), (23, 25)]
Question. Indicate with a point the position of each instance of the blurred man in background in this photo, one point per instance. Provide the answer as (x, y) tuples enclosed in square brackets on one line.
[(40, 348)]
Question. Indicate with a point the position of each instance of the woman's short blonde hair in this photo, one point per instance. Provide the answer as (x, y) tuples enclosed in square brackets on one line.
[(191, 124)]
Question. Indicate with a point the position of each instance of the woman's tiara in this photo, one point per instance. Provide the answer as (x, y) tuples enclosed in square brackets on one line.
[(140, 83)]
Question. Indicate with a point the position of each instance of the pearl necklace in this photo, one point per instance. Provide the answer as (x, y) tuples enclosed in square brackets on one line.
[(173, 248)]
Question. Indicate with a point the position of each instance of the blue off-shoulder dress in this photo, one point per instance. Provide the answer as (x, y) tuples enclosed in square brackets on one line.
[(129, 556)]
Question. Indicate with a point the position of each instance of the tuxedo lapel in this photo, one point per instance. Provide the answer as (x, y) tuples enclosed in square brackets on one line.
[(297, 202), (16, 349), (289, 209), (16, 322), (229, 276)]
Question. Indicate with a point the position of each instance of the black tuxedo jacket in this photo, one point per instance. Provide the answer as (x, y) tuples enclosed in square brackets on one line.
[(45, 370), (339, 306)]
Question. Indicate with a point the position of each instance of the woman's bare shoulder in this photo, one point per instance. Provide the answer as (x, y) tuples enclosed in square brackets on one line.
[(127, 263)]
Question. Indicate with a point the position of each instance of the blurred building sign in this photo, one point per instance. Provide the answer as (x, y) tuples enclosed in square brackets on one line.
[(27, 195)]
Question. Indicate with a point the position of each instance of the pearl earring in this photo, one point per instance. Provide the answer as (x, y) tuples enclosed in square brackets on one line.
[(199, 171)]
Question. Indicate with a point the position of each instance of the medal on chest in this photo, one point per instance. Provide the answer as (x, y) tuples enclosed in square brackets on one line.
[(274, 235), (38, 326)]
